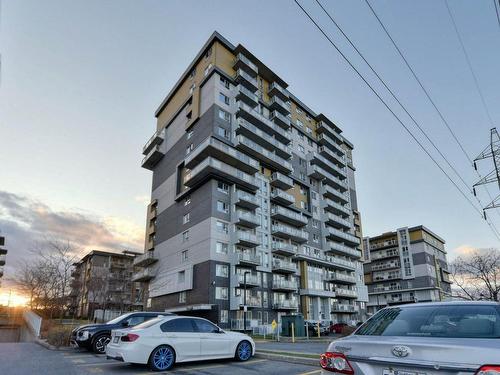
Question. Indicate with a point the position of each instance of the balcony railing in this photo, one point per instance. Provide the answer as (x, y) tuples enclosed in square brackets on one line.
[(325, 140), (246, 200), (334, 194), (282, 197), (143, 275), (339, 172), (244, 62), (246, 80), (263, 138), (297, 235), (145, 259), (288, 216), (319, 173), (279, 105), (283, 248), (247, 96), (337, 221), (251, 301), (281, 181), (286, 304), (343, 236), (346, 293), (264, 155), (247, 219), (378, 289), (157, 138), (338, 248), (251, 280), (334, 207), (246, 239), (275, 89), (284, 266), (385, 266), (343, 308), (340, 278), (334, 157), (281, 284), (280, 119), (323, 127), (250, 259), (152, 158)]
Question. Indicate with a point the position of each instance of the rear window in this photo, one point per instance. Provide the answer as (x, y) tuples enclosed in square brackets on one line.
[(460, 321), (148, 323), (178, 325)]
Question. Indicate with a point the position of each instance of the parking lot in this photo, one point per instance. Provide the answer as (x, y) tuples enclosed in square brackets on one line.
[(30, 358)]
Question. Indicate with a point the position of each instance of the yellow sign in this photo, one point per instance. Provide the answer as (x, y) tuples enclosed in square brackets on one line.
[(274, 325)]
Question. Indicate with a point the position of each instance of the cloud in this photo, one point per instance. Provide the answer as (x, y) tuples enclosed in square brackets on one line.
[(462, 250), (143, 199), (25, 221)]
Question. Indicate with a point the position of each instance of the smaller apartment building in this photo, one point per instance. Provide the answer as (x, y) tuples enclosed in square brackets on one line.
[(3, 257), (405, 266), (103, 280)]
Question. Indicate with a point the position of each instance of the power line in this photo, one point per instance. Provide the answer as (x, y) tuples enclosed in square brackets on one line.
[(497, 5), (389, 109), (443, 119), (469, 64), (393, 95)]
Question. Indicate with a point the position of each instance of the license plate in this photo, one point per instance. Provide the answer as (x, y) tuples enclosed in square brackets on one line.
[(401, 372), (115, 339)]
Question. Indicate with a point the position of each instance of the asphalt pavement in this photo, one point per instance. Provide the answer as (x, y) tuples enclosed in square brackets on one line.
[(31, 358)]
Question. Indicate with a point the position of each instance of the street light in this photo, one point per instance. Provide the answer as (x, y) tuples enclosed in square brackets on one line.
[(245, 301)]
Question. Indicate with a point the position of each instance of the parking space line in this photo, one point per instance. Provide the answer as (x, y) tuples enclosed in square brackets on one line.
[(97, 364), (83, 356)]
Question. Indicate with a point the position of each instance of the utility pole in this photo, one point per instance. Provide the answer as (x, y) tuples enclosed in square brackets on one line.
[(492, 151)]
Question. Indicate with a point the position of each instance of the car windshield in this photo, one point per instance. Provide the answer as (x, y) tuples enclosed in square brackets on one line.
[(117, 319), (458, 321), (149, 323)]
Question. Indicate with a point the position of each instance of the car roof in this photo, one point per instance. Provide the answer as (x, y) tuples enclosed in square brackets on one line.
[(447, 303)]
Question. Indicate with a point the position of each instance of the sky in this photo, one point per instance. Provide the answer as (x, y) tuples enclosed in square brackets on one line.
[(80, 82)]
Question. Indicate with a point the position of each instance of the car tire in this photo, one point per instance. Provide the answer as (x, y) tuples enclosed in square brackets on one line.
[(99, 343), (243, 351), (162, 358)]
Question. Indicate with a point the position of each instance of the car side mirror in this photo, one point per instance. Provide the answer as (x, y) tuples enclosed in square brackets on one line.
[(125, 324), (218, 330)]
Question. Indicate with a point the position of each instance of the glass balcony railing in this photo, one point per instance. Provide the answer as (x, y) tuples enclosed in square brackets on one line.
[(282, 197)]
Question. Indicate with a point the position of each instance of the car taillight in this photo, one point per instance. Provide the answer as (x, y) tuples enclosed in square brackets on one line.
[(337, 362), (129, 337), (489, 370)]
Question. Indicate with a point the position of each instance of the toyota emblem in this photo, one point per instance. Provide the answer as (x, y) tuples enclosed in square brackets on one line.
[(400, 351)]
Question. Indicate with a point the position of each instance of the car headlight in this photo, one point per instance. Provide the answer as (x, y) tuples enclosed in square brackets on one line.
[(83, 335)]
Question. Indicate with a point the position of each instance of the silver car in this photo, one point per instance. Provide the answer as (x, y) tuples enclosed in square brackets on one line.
[(421, 339)]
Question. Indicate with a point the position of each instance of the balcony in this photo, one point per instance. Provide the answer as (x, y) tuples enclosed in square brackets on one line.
[(328, 142), (246, 239), (338, 235), (280, 120), (245, 79), (343, 308), (276, 104), (335, 195), (145, 259), (219, 150), (338, 209), (319, 173), (391, 253), (323, 128), (246, 200), (251, 301), (345, 293), (381, 289), (286, 304), (288, 216), (337, 248), (281, 181), (152, 158), (342, 264), (339, 172), (317, 293), (265, 156), (3, 258), (285, 231), (143, 275), (340, 278), (281, 266), (285, 285), (211, 168), (314, 258), (387, 276), (262, 122), (283, 248), (332, 156), (337, 221), (385, 266), (250, 131), (279, 196), (244, 63), (275, 89), (252, 280), (246, 219), (247, 96), (157, 138)]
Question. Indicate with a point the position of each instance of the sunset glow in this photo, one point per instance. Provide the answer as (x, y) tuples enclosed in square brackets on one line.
[(13, 300)]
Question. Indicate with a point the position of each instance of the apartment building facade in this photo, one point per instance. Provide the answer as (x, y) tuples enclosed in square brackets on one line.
[(253, 200), (103, 280), (3, 256), (405, 266)]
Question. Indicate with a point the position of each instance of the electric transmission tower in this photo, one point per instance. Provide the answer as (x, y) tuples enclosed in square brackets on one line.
[(492, 151)]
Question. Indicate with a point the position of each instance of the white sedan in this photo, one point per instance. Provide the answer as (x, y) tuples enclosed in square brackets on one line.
[(161, 342)]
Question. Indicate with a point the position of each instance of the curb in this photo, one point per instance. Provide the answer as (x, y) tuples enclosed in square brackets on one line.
[(288, 358), (47, 346)]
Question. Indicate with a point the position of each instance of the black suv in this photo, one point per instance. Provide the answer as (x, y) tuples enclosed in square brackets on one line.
[(95, 337)]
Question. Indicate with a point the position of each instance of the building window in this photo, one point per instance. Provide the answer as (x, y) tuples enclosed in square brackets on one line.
[(221, 292), (314, 195), (222, 207), (222, 227), (190, 134), (185, 236), (300, 123), (189, 149), (221, 248), (193, 73), (302, 176), (181, 277), (224, 316), (222, 187), (225, 82), (301, 148), (187, 201), (315, 237), (184, 256), (191, 88), (308, 130), (224, 98), (221, 270), (182, 297), (298, 110), (224, 133), (315, 223), (207, 69), (186, 218), (224, 115)]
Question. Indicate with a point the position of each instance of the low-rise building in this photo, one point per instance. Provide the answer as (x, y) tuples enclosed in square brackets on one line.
[(103, 280), (405, 266)]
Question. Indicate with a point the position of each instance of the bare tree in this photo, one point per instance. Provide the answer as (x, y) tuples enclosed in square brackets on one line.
[(477, 275)]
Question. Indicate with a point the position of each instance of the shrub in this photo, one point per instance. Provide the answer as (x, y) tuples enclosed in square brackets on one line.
[(59, 336), (347, 330)]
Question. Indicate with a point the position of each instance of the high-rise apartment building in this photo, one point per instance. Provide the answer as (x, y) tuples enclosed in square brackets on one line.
[(252, 190), (103, 280), (405, 266), (3, 256)]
